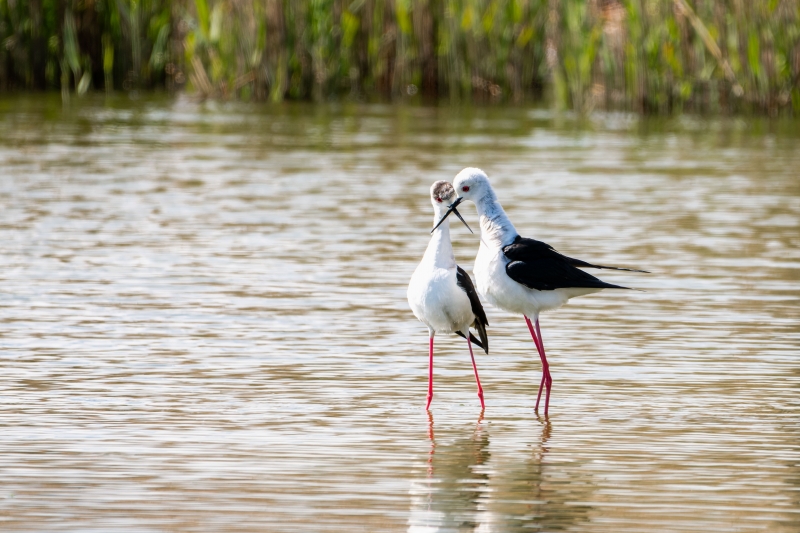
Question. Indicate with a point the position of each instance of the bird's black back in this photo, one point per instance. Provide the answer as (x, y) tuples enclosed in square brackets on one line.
[(537, 265)]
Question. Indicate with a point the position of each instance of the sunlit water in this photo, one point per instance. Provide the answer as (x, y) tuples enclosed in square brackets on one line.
[(204, 327)]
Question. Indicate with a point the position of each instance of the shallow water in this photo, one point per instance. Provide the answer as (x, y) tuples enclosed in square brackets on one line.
[(203, 322)]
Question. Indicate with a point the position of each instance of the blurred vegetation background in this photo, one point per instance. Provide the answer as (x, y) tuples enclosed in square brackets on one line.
[(650, 56)]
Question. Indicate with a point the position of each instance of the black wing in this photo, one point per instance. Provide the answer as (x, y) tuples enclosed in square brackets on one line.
[(473, 340), (465, 282), (537, 265)]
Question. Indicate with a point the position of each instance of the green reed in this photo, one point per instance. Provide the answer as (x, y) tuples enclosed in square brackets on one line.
[(76, 45), (651, 56)]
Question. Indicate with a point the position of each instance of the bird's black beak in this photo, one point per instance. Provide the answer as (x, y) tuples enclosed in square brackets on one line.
[(452, 209)]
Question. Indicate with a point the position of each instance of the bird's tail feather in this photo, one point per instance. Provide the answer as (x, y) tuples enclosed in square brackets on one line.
[(579, 263), (484, 345), (480, 327), (620, 268)]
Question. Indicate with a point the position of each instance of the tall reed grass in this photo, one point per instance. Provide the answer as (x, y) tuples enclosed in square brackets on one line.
[(653, 56)]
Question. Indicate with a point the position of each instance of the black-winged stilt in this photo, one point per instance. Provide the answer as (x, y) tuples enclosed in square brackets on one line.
[(441, 293), (519, 275)]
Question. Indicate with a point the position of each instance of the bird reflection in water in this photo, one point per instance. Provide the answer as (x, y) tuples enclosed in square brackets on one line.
[(469, 488), (450, 497)]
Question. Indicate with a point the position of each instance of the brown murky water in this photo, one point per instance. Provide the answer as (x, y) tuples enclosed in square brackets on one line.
[(203, 323)]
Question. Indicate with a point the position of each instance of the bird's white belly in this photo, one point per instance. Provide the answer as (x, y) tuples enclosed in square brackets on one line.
[(500, 290), (438, 301)]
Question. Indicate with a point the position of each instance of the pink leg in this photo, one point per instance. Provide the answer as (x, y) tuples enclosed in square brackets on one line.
[(430, 375), (538, 349), (433, 445), (546, 366), (547, 380), (475, 368)]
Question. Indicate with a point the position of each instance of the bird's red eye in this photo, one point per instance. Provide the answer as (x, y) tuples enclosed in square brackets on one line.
[(438, 199), (465, 188)]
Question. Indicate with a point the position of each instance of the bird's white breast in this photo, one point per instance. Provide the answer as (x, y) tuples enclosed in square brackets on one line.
[(438, 301)]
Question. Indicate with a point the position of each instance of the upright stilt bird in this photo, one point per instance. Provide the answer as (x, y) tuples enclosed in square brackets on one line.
[(441, 293), (519, 275)]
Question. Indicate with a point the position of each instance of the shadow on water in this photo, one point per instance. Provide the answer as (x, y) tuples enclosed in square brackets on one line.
[(469, 488)]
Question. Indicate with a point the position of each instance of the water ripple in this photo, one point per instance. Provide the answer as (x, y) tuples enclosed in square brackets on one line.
[(204, 328)]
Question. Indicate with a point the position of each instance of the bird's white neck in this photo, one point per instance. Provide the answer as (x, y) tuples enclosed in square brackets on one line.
[(440, 249), (496, 229)]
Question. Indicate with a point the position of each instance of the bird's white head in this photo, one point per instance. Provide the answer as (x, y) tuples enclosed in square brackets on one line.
[(442, 195), (444, 200), (472, 184)]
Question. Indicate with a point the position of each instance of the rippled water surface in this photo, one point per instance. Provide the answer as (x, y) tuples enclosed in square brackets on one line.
[(204, 327)]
